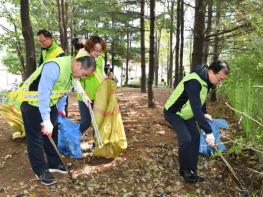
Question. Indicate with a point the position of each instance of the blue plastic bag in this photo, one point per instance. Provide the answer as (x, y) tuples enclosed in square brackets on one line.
[(69, 138), (216, 124)]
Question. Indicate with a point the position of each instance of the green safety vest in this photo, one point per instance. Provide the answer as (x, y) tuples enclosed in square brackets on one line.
[(186, 111), (61, 87), (91, 83), (52, 52)]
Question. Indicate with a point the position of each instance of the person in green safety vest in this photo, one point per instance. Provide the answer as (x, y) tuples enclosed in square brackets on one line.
[(95, 47), (50, 49), (185, 109), (43, 96)]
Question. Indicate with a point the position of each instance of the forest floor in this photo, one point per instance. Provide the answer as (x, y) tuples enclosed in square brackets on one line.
[(149, 167)]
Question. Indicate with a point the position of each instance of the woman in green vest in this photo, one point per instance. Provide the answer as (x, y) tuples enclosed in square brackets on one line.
[(95, 47), (186, 108)]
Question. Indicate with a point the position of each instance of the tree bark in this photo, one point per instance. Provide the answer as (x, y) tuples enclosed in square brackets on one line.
[(127, 59), (151, 55), (112, 60), (143, 67), (157, 50), (199, 29), (113, 45), (170, 70), (182, 42), (208, 30), (63, 24), (29, 39), (177, 46), (216, 51)]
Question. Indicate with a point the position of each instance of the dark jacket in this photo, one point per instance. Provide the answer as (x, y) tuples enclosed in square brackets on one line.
[(191, 92)]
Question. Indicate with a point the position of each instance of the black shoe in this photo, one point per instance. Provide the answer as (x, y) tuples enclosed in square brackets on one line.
[(46, 178), (191, 177), (61, 169), (199, 178)]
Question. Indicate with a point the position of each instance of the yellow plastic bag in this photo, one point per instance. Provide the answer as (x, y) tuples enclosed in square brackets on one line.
[(109, 121), (10, 111)]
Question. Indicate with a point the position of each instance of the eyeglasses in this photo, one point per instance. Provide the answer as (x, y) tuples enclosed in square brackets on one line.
[(97, 50), (43, 41)]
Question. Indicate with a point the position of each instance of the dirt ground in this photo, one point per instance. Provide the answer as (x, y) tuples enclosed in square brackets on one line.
[(149, 167)]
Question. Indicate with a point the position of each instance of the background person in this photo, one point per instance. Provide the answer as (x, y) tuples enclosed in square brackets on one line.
[(50, 49)]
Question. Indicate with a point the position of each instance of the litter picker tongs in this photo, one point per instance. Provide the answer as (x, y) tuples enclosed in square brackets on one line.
[(95, 126)]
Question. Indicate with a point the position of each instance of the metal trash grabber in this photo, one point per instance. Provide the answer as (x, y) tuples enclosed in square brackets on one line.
[(60, 157), (95, 126), (241, 184), (81, 91)]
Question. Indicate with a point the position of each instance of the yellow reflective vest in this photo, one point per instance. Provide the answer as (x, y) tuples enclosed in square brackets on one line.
[(91, 83)]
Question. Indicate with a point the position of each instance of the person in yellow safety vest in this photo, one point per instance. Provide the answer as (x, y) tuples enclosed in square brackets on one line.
[(43, 97), (50, 49), (186, 108), (94, 47)]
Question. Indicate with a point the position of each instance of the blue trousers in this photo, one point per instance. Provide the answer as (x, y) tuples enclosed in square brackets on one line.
[(188, 138), (37, 143)]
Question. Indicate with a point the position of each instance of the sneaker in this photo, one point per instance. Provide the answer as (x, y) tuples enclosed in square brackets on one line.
[(46, 178), (191, 177), (61, 169)]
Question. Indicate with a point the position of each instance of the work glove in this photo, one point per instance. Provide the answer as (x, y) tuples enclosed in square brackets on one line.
[(86, 99), (210, 139), (209, 117), (62, 114), (47, 128)]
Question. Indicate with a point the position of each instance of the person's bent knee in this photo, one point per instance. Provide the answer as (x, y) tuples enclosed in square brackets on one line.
[(185, 141), (84, 126)]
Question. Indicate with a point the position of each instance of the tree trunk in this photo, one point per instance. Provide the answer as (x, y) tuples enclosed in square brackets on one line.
[(170, 71), (177, 46), (63, 24), (190, 48), (127, 59), (216, 51), (143, 69), (182, 42), (29, 39), (73, 51), (199, 29), (151, 55), (208, 30), (157, 50), (113, 59)]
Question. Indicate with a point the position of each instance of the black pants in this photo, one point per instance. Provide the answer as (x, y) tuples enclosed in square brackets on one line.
[(37, 143), (188, 138)]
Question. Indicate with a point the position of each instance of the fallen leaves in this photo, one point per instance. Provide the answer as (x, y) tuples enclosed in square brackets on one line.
[(148, 168)]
